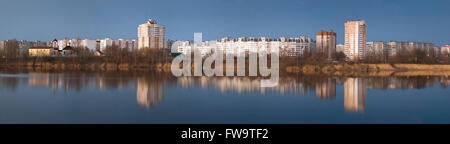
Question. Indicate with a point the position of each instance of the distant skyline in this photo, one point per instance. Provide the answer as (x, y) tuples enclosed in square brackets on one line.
[(387, 20)]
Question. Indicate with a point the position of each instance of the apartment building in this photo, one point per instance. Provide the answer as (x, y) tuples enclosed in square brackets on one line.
[(151, 35), (355, 40), (326, 43)]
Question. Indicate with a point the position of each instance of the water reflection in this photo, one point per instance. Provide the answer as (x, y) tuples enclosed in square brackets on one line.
[(355, 94), (243, 85), (39, 80), (151, 87), (149, 92), (445, 83), (326, 89)]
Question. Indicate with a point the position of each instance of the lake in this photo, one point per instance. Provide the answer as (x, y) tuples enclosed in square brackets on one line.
[(160, 98)]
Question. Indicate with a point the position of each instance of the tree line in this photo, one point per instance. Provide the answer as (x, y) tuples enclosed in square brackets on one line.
[(114, 54)]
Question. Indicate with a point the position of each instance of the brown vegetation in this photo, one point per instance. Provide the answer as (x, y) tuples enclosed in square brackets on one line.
[(115, 59)]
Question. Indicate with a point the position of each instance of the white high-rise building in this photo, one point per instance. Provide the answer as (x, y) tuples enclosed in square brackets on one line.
[(151, 35), (355, 40)]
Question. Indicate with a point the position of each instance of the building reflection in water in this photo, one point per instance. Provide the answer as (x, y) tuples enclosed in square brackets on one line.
[(243, 84), (326, 89), (354, 94), (151, 87), (36, 79), (149, 92), (445, 82)]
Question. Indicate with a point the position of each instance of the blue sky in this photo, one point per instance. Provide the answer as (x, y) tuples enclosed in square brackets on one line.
[(402, 20)]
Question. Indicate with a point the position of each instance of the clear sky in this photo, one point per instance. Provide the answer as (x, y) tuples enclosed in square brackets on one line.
[(401, 20)]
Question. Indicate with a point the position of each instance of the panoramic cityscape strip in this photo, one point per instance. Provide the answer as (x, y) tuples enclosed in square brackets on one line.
[(151, 35), (198, 57), (224, 71)]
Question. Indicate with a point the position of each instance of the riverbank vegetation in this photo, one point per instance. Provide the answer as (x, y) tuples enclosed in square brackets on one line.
[(116, 59)]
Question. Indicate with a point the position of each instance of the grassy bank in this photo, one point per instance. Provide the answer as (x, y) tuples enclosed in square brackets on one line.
[(373, 69), (164, 65), (84, 64)]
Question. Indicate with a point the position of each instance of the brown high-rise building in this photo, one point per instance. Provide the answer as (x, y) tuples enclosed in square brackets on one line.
[(326, 43), (355, 40)]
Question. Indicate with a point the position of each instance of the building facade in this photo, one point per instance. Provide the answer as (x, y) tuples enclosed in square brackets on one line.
[(326, 43), (395, 47), (92, 45), (340, 48), (355, 40), (39, 51), (2, 45), (244, 45), (445, 49), (377, 48), (86, 43), (151, 35)]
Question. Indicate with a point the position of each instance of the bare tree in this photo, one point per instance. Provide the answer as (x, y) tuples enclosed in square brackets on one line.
[(340, 56), (11, 50)]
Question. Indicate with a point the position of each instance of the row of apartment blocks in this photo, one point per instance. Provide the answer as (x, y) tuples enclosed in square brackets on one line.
[(94, 45), (150, 35), (325, 44), (23, 45), (294, 46), (355, 47), (393, 48)]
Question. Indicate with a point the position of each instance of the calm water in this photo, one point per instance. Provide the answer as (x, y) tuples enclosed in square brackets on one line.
[(161, 98)]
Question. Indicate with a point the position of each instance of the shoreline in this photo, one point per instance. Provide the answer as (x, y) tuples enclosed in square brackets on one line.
[(373, 69), (306, 69)]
